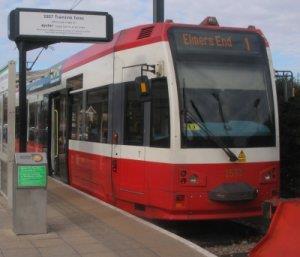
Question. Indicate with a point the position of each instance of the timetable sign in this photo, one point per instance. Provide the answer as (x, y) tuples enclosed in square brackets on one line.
[(60, 25), (32, 176)]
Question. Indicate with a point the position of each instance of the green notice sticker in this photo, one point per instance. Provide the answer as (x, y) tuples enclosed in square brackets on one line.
[(32, 176)]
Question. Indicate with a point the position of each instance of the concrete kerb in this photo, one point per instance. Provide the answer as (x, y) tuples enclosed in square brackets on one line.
[(195, 247)]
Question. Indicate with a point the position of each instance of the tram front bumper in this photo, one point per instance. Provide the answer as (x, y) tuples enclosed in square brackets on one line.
[(233, 192)]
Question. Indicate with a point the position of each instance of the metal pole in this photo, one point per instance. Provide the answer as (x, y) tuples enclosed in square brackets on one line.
[(22, 97), (158, 11), (11, 130), (285, 90)]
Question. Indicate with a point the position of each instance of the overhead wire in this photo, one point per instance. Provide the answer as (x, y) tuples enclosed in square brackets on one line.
[(75, 4)]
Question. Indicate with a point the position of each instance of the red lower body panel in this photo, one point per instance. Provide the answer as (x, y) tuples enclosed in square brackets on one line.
[(163, 191)]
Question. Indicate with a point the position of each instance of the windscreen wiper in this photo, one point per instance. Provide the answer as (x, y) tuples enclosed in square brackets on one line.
[(210, 134), (217, 97)]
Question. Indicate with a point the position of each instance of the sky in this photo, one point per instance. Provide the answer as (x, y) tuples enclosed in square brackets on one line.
[(279, 20)]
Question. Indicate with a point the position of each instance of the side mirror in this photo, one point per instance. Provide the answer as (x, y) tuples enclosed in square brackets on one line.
[(143, 86)]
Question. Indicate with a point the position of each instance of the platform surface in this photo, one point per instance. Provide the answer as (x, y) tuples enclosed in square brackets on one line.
[(79, 225)]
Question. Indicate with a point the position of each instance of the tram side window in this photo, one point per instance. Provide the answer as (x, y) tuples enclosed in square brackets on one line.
[(77, 117), (160, 114), (33, 110), (96, 115), (134, 117), (43, 122)]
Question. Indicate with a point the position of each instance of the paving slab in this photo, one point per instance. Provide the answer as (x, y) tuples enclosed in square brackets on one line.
[(81, 226), (19, 252), (58, 251), (15, 244), (51, 242)]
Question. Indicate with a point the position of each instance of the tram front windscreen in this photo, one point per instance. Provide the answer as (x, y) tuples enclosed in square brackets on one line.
[(224, 86)]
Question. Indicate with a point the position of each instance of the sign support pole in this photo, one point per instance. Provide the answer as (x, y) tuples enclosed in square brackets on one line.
[(11, 131), (27, 28), (158, 11), (22, 95)]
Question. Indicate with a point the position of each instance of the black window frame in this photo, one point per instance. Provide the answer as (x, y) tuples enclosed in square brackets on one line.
[(126, 141), (88, 92), (78, 136), (84, 135), (167, 143), (147, 113)]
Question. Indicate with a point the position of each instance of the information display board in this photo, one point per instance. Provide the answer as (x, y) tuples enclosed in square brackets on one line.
[(31, 170), (32, 176), (60, 25)]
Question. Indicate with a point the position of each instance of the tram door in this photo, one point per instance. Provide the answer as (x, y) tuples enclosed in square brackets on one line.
[(59, 137), (128, 178)]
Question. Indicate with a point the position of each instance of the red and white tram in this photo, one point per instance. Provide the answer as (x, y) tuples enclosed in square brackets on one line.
[(167, 121)]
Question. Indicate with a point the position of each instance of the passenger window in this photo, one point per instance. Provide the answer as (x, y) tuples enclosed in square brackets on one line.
[(75, 82), (43, 122), (33, 121), (160, 114), (77, 117), (96, 115), (134, 117)]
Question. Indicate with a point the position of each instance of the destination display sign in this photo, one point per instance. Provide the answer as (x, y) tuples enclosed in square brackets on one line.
[(60, 25), (201, 41)]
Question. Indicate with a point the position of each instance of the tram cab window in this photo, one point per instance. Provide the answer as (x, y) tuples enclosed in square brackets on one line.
[(134, 117), (160, 114), (77, 117), (96, 115)]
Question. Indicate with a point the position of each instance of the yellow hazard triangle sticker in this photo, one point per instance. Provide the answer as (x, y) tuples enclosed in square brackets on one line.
[(242, 157)]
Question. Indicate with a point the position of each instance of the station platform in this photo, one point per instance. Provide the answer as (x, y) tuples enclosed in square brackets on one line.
[(82, 226)]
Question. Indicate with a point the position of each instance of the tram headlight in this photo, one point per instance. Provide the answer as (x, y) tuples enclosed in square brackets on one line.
[(193, 179), (268, 176)]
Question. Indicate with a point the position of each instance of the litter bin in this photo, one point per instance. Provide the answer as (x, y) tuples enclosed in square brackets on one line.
[(30, 194)]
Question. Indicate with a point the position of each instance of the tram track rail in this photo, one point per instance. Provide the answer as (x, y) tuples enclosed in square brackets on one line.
[(224, 238)]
